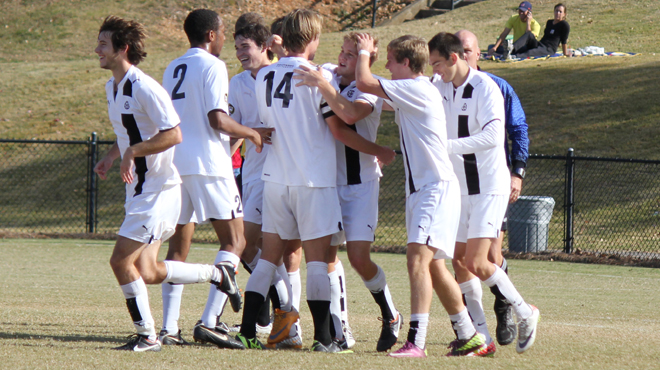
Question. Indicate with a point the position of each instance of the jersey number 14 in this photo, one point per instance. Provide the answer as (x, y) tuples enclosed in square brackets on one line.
[(283, 90)]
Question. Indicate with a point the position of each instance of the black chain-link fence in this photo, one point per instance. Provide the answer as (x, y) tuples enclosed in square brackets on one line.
[(600, 205)]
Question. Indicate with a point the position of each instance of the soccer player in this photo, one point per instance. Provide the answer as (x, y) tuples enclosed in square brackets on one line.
[(197, 83), (358, 177), (516, 129), (432, 191), (300, 196), (475, 127), (147, 129), (251, 51)]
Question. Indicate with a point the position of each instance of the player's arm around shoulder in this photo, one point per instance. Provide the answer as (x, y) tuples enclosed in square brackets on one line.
[(342, 133)]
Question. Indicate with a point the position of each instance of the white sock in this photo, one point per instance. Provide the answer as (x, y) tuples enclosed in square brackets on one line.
[(216, 301), (422, 320), (296, 289), (188, 273), (253, 264), (137, 301), (261, 278), (283, 287), (171, 306), (504, 284), (296, 293), (335, 304), (318, 283), (339, 268), (379, 284), (472, 294), (462, 324)]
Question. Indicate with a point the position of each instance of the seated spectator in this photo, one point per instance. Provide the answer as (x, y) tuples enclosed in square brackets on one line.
[(556, 31), (524, 28)]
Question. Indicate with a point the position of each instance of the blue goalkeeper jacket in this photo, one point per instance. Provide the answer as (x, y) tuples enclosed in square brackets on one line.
[(516, 126)]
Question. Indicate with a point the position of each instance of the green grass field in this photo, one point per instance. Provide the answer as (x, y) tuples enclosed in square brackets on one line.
[(61, 308)]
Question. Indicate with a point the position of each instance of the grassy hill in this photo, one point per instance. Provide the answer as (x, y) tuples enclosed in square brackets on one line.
[(51, 86)]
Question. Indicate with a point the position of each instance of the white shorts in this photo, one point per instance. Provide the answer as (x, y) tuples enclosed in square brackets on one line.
[(432, 215), (359, 211), (253, 201), (209, 197), (481, 216), (300, 212), (151, 216)]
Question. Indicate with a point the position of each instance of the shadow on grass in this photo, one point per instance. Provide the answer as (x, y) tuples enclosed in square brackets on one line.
[(64, 338)]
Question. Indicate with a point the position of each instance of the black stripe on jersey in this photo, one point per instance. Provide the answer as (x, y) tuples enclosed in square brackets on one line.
[(352, 163), (469, 160), (128, 88), (411, 183), (467, 91), (134, 137)]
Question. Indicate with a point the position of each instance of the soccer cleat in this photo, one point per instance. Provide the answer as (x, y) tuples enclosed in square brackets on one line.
[(409, 350), (282, 325), (389, 333), (506, 330), (489, 351), (348, 335), (468, 347), (249, 343), (203, 334), (331, 348), (294, 342), (224, 328), (172, 339), (527, 330), (228, 284), (140, 343)]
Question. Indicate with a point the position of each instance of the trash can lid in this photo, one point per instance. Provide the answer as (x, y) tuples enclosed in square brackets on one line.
[(537, 198)]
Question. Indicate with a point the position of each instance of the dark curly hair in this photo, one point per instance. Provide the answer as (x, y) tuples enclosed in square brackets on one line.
[(126, 33), (198, 23)]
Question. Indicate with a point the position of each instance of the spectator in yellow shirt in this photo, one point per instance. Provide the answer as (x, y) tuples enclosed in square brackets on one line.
[(524, 27)]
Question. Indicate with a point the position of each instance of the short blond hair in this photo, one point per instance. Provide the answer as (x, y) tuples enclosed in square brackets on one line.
[(353, 37), (412, 48), (300, 27)]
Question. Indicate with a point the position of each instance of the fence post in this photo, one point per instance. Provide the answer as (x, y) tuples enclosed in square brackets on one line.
[(91, 183), (569, 201), (373, 13)]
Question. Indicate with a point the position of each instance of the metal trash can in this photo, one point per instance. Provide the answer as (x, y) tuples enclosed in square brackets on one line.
[(528, 222)]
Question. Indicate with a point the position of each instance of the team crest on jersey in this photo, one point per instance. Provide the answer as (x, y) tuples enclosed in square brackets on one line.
[(126, 105), (350, 93), (231, 109), (226, 98), (464, 107)]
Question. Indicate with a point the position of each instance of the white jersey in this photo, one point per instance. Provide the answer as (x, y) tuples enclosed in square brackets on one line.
[(475, 124), (303, 148), (242, 107), (422, 128), (354, 167), (198, 84), (139, 110)]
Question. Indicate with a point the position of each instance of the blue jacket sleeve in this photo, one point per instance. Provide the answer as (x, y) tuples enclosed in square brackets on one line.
[(515, 124)]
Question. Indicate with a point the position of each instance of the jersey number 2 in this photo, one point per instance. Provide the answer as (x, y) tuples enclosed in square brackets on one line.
[(285, 85), (175, 92)]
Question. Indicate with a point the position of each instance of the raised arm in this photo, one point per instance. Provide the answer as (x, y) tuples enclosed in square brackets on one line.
[(364, 80), (349, 112)]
